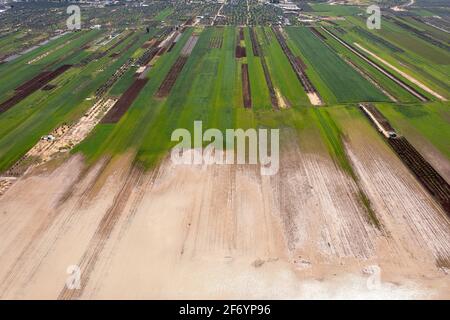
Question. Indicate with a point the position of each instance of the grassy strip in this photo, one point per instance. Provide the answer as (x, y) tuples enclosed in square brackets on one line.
[(259, 91)]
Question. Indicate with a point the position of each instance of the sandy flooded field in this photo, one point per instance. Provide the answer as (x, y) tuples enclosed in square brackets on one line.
[(225, 231)]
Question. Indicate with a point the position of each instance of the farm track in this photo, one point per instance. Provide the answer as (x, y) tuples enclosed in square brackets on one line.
[(246, 92), (67, 136), (13, 56), (241, 34), (383, 70), (240, 51), (126, 48), (403, 74), (32, 86), (370, 78)]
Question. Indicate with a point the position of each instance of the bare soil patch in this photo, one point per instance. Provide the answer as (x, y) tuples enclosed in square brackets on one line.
[(255, 45), (171, 77), (240, 52), (246, 92), (125, 101)]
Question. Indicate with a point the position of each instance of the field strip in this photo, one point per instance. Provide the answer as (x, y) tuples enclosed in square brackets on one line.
[(32, 48), (379, 68), (407, 76), (125, 101), (257, 52), (434, 26), (364, 74), (32, 85), (430, 179), (369, 78), (177, 67), (310, 90), (246, 87)]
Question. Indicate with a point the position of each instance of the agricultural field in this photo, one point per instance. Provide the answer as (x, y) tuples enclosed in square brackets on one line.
[(41, 112), (337, 81), (333, 10), (425, 61), (94, 123), (429, 121)]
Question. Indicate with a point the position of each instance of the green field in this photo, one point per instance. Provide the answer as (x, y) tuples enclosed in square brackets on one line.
[(209, 88), (18, 71), (393, 89), (333, 10), (111, 139), (37, 115), (420, 59), (124, 82), (286, 82), (430, 122), (163, 14), (259, 91), (336, 81)]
